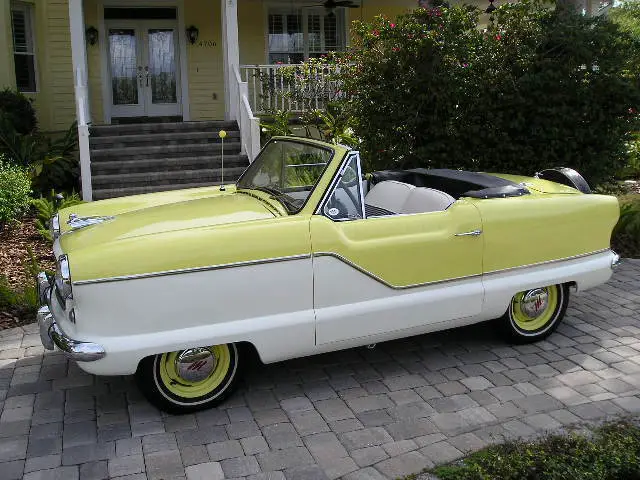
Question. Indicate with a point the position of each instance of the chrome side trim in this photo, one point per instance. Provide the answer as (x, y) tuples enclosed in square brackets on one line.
[(384, 282), (449, 280), (546, 262), (194, 270)]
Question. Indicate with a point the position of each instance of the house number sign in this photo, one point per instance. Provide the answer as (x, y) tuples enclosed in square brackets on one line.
[(206, 43)]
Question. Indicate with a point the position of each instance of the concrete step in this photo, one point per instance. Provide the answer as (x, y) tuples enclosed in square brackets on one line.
[(213, 126), (105, 193), (174, 138), (165, 151), (165, 178), (114, 167)]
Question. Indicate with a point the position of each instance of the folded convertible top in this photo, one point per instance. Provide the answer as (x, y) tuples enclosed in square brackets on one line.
[(457, 183)]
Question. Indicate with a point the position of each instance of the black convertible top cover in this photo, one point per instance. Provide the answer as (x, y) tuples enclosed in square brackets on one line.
[(457, 183)]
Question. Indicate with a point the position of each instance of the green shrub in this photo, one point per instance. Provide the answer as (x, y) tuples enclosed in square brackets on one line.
[(539, 88), (611, 453), (17, 110), (626, 234), (631, 170), (52, 162), (47, 207), (15, 191)]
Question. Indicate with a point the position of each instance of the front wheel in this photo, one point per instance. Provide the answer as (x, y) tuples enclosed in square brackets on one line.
[(534, 314), (189, 380)]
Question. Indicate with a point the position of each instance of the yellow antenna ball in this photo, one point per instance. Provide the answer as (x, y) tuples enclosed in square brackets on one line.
[(222, 134)]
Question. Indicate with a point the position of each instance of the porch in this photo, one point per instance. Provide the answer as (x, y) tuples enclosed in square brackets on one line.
[(180, 61)]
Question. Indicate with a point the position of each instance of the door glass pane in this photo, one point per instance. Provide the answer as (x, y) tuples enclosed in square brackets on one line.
[(162, 66), (345, 203), (124, 66)]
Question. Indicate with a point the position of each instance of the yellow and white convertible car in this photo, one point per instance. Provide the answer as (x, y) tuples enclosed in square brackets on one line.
[(305, 255)]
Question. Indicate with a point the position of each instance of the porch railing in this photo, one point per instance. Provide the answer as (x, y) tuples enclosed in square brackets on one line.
[(297, 90), (249, 124)]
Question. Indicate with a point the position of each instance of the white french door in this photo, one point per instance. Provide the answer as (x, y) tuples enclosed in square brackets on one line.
[(143, 68)]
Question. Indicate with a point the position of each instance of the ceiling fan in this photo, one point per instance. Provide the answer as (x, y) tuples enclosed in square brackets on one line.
[(331, 5)]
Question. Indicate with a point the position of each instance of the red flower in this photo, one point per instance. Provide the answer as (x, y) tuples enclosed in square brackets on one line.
[(633, 111), (392, 25), (498, 37), (376, 33), (395, 49)]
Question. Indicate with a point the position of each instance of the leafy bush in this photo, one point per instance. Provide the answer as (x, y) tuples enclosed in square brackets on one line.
[(47, 207), (538, 88), (631, 170), (52, 162), (17, 110), (626, 234), (15, 191), (612, 453)]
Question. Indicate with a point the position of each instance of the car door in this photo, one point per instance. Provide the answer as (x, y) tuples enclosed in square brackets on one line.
[(383, 274)]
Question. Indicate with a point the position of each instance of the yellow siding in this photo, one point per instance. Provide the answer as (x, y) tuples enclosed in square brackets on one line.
[(57, 81), (94, 61), (206, 76), (7, 77), (251, 32)]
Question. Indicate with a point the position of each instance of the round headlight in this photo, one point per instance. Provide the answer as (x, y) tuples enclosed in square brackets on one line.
[(54, 226), (63, 277)]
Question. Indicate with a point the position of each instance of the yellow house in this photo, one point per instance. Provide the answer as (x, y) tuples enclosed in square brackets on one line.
[(138, 74)]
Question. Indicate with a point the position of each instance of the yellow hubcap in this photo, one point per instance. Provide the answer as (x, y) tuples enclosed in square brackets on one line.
[(186, 380), (533, 309)]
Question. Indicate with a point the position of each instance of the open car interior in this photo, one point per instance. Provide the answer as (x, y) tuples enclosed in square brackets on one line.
[(391, 192)]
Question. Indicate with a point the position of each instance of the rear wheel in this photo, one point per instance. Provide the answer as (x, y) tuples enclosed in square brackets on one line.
[(189, 380), (534, 314)]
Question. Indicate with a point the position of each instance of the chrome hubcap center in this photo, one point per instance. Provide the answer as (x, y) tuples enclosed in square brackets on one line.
[(535, 302), (195, 364)]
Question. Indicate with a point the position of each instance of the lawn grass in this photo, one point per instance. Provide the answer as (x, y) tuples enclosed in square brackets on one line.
[(611, 452)]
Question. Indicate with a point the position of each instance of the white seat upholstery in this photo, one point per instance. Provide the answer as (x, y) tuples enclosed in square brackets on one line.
[(422, 199), (389, 194), (399, 197)]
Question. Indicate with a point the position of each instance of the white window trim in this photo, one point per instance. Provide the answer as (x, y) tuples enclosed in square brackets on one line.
[(29, 9), (282, 7)]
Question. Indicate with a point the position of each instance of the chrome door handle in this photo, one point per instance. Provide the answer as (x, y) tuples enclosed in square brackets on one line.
[(472, 233)]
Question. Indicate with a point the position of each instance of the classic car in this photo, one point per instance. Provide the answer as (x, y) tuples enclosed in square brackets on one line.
[(305, 254)]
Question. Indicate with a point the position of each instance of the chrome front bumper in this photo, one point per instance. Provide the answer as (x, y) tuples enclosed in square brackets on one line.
[(51, 334)]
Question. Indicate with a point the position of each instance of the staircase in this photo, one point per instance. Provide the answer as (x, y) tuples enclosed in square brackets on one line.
[(130, 159)]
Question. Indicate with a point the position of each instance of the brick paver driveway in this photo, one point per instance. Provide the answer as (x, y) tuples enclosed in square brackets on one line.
[(361, 414)]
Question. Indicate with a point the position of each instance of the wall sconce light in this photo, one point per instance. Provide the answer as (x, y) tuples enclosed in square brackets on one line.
[(92, 35), (192, 34)]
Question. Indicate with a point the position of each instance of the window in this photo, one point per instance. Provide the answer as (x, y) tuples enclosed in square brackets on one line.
[(346, 202), (23, 47), (298, 34)]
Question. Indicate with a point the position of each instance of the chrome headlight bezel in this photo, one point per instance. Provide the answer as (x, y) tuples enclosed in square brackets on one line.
[(63, 277), (54, 226)]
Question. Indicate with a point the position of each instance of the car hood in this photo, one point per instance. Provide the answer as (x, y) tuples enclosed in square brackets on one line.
[(145, 215)]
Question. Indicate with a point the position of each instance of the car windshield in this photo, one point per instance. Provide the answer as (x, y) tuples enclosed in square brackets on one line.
[(288, 171)]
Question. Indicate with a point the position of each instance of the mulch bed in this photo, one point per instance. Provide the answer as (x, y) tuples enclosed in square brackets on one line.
[(14, 244)]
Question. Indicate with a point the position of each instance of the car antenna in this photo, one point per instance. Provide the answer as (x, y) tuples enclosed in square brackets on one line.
[(222, 134)]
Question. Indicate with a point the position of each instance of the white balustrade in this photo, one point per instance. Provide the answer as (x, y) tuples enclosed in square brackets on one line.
[(270, 89), (249, 125)]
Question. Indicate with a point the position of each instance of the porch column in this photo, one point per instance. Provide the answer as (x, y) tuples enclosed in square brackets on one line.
[(231, 52), (80, 82)]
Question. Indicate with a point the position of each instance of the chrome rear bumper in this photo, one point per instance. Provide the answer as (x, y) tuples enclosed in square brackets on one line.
[(52, 336)]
